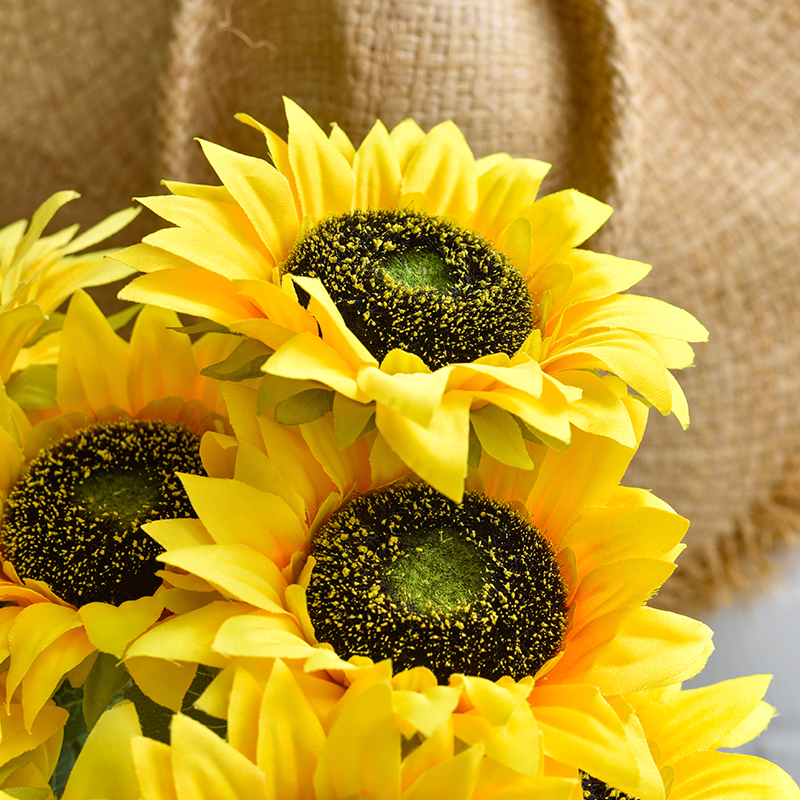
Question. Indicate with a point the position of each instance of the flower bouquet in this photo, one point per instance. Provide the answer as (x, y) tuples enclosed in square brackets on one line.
[(356, 529)]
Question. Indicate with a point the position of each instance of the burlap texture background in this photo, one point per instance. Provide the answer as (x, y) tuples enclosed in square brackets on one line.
[(683, 115)]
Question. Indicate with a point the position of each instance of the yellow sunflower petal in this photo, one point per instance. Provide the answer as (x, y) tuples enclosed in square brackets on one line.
[(215, 251), (625, 354), (205, 766), (325, 181), (279, 152), (165, 682), (88, 340), (576, 479), (515, 745), (377, 171), (261, 636), (334, 330), (162, 363), (190, 290), (153, 764), (721, 776), (428, 709), (262, 192), (342, 143), (289, 733), (112, 628), (236, 570), (454, 779), (35, 628), (626, 651), (12, 458), (598, 410), (598, 275), (754, 724), (500, 436), (362, 752), (44, 675), (187, 637), (504, 192), (700, 719), (307, 357), (442, 168), (416, 396), (281, 308), (405, 139), (561, 221), (623, 584), (607, 535), (496, 702), (16, 325), (263, 521), (105, 766), (17, 741), (582, 730), (645, 314), (436, 452), (649, 785)]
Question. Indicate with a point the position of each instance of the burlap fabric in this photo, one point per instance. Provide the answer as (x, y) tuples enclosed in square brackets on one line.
[(683, 115)]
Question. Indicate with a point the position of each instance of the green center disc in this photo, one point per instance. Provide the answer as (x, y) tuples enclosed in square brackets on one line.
[(73, 520), (404, 279), (466, 587)]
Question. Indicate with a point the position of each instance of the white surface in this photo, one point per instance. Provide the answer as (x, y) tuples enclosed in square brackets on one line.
[(761, 637)]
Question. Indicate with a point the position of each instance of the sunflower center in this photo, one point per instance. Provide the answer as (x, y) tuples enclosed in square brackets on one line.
[(74, 519), (465, 587), (404, 279), (594, 789)]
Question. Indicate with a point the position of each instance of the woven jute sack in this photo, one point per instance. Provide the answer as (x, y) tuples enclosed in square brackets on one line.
[(682, 115)]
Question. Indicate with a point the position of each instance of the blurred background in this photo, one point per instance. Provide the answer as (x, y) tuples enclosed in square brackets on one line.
[(684, 116)]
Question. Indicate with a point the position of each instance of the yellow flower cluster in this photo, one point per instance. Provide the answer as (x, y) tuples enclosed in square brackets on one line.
[(358, 532)]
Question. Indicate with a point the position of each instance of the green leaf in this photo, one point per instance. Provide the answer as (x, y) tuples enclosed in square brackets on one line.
[(34, 387), (304, 407), (242, 364), (122, 318), (205, 326), (105, 679)]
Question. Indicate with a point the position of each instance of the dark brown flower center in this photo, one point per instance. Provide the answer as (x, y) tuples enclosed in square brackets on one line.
[(404, 279), (74, 519), (466, 587)]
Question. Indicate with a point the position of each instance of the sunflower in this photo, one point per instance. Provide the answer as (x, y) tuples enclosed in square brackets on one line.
[(78, 574), (410, 285), (37, 274), (28, 754), (684, 728), (291, 735), (537, 578)]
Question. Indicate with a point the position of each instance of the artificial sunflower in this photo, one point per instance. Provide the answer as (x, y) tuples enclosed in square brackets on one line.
[(78, 575), (538, 577), (409, 283), (293, 736), (38, 273), (685, 728)]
